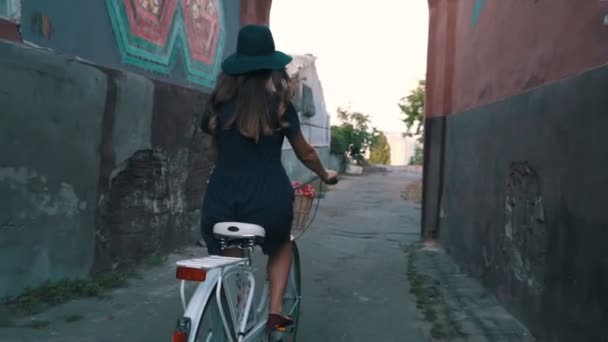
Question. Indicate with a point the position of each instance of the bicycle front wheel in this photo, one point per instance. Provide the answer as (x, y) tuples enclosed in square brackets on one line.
[(293, 294), (211, 327)]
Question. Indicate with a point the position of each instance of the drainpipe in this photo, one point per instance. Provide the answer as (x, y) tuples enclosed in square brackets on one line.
[(438, 104), (255, 12)]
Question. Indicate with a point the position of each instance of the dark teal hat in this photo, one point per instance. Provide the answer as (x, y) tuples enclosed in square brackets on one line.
[(255, 51)]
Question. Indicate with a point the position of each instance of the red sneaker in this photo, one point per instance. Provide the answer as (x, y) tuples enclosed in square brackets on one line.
[(278, 322)]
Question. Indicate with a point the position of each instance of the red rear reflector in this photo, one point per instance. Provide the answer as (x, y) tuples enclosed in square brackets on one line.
[(190, 274), (179, 336)]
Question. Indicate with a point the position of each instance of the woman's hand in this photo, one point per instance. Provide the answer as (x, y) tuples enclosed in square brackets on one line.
[(331, 177)]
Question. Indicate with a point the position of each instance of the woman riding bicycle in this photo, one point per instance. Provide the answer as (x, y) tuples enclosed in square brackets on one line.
[(249, 115)]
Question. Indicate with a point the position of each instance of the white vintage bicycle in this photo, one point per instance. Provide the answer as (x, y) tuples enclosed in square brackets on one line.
[(224, 307)]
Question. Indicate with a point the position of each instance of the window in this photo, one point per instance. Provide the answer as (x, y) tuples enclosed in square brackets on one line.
[(10, 9), (307, 101), (297, 100)]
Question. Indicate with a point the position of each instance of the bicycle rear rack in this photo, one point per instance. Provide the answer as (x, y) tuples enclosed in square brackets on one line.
[(196, 269), (210, 262)]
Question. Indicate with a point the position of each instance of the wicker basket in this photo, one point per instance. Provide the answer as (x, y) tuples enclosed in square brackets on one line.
[(301, 210)]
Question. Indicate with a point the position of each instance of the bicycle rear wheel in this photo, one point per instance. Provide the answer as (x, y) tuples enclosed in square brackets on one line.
[(211, 326)]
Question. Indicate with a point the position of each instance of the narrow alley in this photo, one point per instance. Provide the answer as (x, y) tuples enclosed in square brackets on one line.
[(470, 133), (355, 281)]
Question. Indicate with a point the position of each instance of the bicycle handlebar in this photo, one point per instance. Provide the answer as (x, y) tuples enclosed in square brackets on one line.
[(310, 180)]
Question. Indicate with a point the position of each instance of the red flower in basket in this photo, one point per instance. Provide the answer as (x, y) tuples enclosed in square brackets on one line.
[(306, 190)]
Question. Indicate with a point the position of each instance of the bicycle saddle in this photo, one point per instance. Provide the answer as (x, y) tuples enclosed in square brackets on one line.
[(238, 230)]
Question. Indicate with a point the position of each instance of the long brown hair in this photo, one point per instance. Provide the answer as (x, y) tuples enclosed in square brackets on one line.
[(259, 95)]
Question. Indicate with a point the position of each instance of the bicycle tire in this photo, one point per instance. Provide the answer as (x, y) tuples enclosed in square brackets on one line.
[(293, 295), (211, 316)]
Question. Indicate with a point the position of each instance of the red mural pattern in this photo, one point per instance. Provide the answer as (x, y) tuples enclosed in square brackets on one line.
[(202, 28), (151, 19)]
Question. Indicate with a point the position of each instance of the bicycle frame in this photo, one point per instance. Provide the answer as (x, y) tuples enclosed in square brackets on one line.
[(247, 330), (235, 299)]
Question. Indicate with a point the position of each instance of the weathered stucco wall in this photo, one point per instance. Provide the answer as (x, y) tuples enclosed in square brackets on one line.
[(516, 157), (101, 162), (98, 168), (151, 187), (523, 204), (51, 110)]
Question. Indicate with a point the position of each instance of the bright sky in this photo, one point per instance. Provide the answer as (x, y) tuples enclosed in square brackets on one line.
[(370, 54)]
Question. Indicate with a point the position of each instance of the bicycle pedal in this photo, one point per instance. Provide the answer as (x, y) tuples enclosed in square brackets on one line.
[(277, 336)]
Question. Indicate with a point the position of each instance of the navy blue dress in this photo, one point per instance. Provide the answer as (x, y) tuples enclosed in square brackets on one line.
[(249, 183)]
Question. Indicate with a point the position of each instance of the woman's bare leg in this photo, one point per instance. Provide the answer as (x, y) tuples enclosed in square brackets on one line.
[(279, 265)]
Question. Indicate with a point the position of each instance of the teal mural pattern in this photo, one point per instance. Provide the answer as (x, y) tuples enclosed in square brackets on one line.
[(477, 11), (150, 33)]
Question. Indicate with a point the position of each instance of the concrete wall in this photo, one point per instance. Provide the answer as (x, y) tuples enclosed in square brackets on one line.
[(515, 156), (52, 111), (527, 215), (98, 168)]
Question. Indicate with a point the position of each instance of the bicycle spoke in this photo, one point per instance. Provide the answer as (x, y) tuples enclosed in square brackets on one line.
[(291, 300), (211, 326)]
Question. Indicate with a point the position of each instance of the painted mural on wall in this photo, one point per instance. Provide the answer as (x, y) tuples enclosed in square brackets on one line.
[(477, 11), (10, 9), (150, 33)]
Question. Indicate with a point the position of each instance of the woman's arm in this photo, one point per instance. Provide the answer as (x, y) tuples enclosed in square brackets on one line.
[(309, 157)]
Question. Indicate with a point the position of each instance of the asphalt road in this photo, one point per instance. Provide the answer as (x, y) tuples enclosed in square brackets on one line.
[(355, 286), (353, 269)]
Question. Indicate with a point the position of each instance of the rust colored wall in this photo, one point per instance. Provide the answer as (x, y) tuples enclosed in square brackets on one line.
[(9, 30), (255, 12), (501, 48)]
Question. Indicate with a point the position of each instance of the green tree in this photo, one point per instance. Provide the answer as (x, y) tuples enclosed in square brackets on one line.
[(412, 111), (353, 136), (418, 157), (380, 151)]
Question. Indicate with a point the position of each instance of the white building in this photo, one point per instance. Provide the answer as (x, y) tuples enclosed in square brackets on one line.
[(314, 118), (402, 147)]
